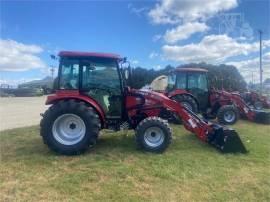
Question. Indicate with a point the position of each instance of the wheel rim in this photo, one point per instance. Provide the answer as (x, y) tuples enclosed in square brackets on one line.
[(229, 116), (68, 129), (258, 105), (154, 137), (187, 105)]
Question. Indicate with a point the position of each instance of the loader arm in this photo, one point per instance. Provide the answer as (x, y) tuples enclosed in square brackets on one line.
[(224, 139), (258, 116)]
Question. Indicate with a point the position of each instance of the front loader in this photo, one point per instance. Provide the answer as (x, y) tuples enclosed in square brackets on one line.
[(247, 112), (92, 94)]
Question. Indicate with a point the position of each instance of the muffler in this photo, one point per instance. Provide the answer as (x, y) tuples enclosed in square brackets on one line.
[(261, 116), (226, 140)]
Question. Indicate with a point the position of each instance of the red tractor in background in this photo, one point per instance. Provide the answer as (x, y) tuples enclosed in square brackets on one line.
[(255, 100), (190, 87), (92, 94)]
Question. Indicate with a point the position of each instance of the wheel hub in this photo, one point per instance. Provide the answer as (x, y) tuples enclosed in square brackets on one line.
[(229, 116), (68, 129), (72, 126), (154, 137)]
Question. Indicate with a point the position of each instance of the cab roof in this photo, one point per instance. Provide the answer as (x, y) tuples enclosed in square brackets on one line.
[(89, 54), (184, 69)]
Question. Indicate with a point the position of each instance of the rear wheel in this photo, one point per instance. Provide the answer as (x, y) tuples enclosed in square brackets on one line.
[(187, 101), (153, 134), (227, 114), (258, 105), (69, 127)]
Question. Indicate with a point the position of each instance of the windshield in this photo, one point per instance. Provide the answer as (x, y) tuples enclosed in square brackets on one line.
[(96, 72)]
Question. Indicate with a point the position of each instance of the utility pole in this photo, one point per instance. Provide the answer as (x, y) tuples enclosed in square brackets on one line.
[(252, 79), (261, 71), (52, 71)]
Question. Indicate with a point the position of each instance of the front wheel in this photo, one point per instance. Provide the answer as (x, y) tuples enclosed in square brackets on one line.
[(153, 134), (227, 115)]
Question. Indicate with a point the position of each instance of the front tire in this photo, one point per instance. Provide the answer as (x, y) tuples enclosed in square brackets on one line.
[(69, 127), (153, 134), (227, 115)]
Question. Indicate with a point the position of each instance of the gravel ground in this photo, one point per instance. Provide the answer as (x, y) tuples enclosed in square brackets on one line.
[(18, 112)]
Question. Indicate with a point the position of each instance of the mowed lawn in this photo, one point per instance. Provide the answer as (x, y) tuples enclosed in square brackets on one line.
[(116, 171)]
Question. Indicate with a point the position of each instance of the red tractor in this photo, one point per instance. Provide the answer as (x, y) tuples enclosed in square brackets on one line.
[(255, 100), (92, 95), (189, 86)]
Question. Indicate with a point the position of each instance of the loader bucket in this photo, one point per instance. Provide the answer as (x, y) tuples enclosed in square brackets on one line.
[(262, 116), (226, 140)]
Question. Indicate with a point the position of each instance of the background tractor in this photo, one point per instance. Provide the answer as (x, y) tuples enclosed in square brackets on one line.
[(190, 87), (256, 100), (92, 94)]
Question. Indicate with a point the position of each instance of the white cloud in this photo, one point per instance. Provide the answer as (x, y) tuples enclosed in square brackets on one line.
[(250, 68), (175, 11), (157, 67), (17, 56), (184, 31), (153, 55), (211, 49), (156, 37), (135, 62), (137, 11)]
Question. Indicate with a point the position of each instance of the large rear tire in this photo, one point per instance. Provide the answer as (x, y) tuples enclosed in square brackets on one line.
[(153, 134), (69, 127), (227, 115), (187, 101), (258, 105)]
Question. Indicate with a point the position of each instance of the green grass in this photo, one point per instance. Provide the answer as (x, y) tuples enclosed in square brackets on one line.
[(116, 171)]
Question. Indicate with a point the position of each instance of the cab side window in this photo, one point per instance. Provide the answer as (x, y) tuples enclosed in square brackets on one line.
[(197, 81), (181, 80), (69, 75)]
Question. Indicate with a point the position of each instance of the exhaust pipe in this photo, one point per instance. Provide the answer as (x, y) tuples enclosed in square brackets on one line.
[(226, 140)]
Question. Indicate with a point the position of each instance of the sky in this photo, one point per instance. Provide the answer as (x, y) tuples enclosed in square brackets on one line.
[(151, 34)]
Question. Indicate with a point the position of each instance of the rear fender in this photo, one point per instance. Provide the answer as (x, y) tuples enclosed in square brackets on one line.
[(52, 99)]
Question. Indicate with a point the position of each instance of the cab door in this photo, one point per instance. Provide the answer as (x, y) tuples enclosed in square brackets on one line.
[(100, 81), (197, 85)]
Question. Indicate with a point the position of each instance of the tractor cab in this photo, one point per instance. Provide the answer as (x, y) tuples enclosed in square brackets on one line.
[(95, 75), (192, 80)]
